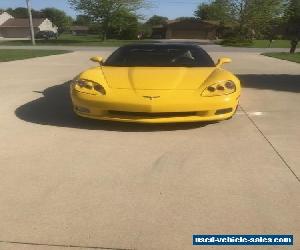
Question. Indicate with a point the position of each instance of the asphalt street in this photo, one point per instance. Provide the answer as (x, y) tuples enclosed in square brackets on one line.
[(70, 182)]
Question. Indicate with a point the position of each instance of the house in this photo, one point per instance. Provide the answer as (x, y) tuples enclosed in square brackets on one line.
[(159, 32), (11, 27), (4, 17), (186, 29), (80, 30)]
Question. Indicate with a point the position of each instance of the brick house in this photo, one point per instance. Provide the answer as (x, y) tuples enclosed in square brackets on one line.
[(11, 27), (186, 29), (80, 30)]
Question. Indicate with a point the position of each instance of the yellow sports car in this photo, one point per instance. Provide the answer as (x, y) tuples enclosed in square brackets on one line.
[(157, 83)]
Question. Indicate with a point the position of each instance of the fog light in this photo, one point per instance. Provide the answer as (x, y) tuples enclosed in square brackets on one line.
[(223, 111), (82, 109)]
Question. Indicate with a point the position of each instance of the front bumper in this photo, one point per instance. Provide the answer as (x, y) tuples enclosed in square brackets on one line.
[(125, 105)]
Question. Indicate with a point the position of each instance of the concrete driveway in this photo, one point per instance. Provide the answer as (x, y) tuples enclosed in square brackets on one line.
[(69, 182), (210, 47)]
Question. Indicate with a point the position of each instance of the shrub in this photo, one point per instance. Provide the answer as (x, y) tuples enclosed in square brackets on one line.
[(236, 42)]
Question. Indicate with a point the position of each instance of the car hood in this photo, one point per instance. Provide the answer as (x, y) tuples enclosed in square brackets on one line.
[(160, 78)]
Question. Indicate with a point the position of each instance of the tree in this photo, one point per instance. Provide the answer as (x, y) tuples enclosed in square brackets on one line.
[(157, 20), (248, 18), (147, 28), (105, 12), (83, 20), (203, 11), (144, 29), (293, 23), (21, 12), (18, 12), (260, 15), (273, 29), (217, 10), (186, 18), (253, 16), (58, 18), (124, 25)]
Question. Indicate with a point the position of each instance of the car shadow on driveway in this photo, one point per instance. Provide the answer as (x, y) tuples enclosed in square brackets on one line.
[(55, 109), (290, 83)]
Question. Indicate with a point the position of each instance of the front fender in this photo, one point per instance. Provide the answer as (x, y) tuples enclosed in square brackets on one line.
[(95, 75), (220, 75)]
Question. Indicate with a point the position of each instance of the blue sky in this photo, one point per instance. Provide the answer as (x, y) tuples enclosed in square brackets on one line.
[(169, 8)]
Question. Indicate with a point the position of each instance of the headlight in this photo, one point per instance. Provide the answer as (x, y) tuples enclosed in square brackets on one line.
[(89, 87), (84, 84), (220, 88)]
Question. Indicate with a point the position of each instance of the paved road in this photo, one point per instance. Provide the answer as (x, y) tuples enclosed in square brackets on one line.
[(69, 181)]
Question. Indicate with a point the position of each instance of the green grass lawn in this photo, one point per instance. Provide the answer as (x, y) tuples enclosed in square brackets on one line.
[(95, 40), (274, 44), (7, 55), (285, 56), (70, 40), (262, 44)]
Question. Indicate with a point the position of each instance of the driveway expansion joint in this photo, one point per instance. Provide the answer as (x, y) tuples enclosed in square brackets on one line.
[(270, 143), (62, 245)]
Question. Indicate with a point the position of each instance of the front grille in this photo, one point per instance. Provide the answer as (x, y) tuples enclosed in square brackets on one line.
[(151, 115)]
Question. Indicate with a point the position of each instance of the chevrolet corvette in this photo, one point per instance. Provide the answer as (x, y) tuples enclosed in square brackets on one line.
[(156, 83)]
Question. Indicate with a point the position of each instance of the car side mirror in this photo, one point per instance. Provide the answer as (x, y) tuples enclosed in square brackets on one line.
[(222, 61), (97, 59)]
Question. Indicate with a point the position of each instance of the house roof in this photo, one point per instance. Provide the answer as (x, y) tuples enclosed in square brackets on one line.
[(22, 22), (197, 21), (193, 21), (186, 22)]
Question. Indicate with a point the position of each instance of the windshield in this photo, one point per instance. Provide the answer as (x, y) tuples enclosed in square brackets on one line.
[(160, 56)]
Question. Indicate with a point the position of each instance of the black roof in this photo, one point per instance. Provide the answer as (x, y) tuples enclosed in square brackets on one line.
[(160, 54), (163, 44)]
